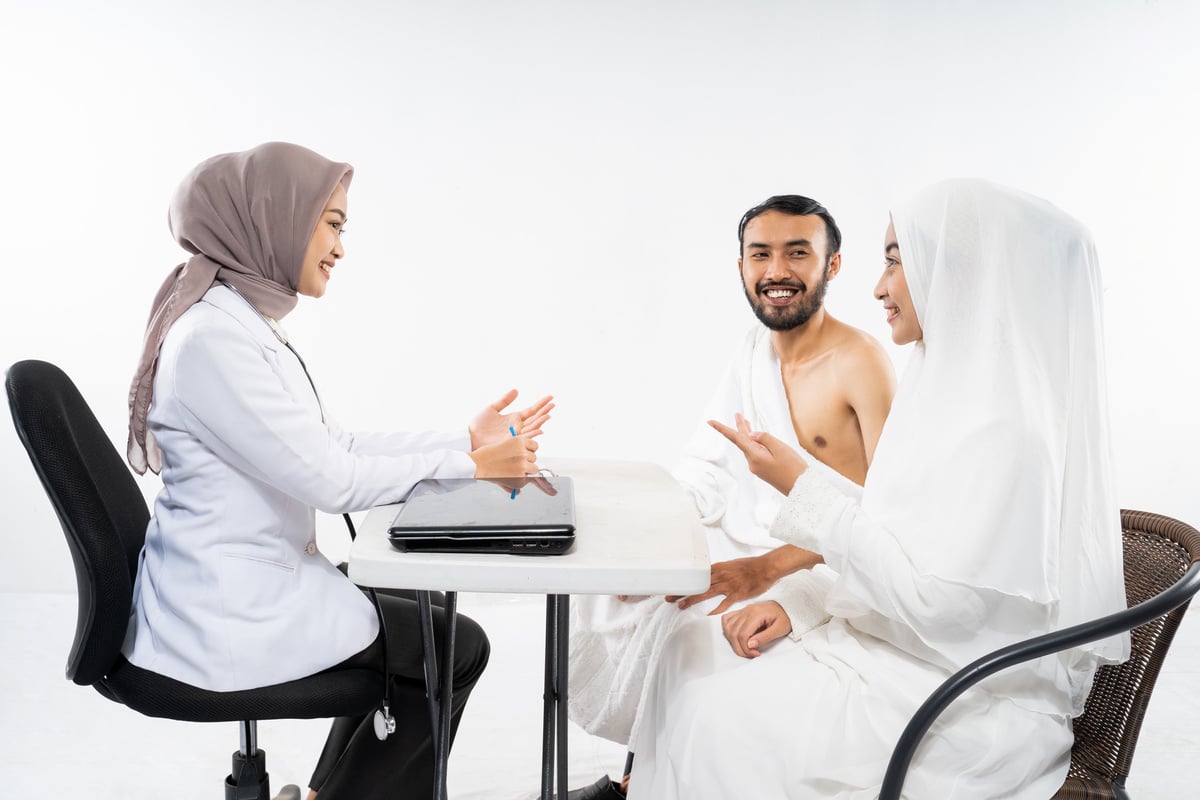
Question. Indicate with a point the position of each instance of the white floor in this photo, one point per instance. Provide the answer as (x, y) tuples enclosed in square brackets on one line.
[(58, 740)]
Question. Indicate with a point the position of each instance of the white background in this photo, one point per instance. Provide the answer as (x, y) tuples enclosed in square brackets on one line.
[(547, 193)]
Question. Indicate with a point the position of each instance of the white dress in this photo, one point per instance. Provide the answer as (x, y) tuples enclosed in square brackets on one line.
[(816, 717)]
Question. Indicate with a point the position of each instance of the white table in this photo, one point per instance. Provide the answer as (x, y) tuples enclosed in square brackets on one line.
[(636, 532)]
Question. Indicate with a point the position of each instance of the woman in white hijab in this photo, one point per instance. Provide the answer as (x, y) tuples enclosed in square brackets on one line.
[(232, 592), (988, 516)]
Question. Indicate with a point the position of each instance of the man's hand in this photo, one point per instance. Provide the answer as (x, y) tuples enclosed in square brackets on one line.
[(739, 579), (752, 628), (767, 457), (511, 457), (491, 425)]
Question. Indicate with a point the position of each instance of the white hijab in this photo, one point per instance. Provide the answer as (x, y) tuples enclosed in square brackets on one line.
[(994, 469)]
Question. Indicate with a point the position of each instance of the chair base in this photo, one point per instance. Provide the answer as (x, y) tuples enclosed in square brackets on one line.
[(248, 778)]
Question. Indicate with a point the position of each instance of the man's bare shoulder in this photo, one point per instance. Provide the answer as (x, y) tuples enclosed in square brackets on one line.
[(860, 355), (867, 380), (861, 362)]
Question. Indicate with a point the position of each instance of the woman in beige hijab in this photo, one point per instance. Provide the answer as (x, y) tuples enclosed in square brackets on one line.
[(232, 592)]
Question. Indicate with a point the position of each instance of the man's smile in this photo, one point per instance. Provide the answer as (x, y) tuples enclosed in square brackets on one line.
[(777, 294)]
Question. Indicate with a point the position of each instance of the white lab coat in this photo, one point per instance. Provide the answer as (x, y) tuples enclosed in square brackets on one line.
[(231, 591)]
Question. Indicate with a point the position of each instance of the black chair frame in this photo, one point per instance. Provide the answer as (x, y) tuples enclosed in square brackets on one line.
[(104, 516), (1174, 597)]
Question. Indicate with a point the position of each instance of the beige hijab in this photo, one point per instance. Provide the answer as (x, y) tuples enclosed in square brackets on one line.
[(247, 219)]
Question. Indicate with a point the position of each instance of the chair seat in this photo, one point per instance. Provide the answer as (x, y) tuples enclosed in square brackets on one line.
[(336, 693)]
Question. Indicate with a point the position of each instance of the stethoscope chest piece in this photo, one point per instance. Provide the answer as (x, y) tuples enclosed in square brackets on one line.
[(385, 723)]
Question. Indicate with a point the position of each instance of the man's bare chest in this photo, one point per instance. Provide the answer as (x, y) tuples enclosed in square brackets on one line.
[(823, 420)]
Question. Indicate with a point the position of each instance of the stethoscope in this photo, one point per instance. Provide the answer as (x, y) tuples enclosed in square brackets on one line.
[(383, 720)]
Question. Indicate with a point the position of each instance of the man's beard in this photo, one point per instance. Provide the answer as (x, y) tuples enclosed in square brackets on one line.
[(796, 313)]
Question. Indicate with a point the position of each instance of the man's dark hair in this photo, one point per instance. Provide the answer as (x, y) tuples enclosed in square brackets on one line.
[(798, 206)]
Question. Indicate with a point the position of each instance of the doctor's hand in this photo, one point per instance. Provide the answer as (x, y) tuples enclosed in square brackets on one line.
[(508, 458), (752, 628), (492, 424), (767, 457), (516, 485)]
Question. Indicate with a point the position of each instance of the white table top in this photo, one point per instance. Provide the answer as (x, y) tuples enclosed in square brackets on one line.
[(636, 532)]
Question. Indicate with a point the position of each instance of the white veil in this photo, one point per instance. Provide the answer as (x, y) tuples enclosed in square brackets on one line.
[(994, 469)]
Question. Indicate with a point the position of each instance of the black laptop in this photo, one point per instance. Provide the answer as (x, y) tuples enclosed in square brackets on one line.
[(532, 516)]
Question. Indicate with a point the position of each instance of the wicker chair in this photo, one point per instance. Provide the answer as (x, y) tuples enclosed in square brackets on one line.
[(1162, 573)]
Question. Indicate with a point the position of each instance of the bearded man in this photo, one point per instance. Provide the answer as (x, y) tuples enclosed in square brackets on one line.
[(818, 384)]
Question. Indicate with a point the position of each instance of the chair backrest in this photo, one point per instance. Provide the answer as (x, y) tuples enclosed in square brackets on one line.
[(102, 511), (1158, 551)]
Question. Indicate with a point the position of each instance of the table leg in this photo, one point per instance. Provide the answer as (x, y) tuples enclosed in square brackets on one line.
[(548, 697), (429, 653), (447, 686), (438, 694), (563, 632)]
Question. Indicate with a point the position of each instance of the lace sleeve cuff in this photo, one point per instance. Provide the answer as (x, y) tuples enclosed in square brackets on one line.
[(802, 597), (810, 499)]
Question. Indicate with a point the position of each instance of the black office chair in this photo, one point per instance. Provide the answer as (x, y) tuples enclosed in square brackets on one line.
[(1162, 574), (104, 518)]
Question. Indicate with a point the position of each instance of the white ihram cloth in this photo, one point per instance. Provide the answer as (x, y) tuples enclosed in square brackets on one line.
[(615, 645), (988, 517)]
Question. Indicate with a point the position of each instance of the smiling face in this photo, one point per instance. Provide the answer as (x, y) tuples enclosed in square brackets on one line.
[(785, 268), (892, 291), (325, 246)]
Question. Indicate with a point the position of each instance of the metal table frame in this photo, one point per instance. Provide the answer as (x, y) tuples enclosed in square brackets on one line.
[(440, 693), (637, 533)]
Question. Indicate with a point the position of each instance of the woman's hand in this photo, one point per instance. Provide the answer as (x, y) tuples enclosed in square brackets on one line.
[(511, 457), (752, 628), (492, 425), (767, 457)]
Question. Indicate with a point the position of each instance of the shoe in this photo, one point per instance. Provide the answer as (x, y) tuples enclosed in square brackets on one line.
[(604, 789), (289, 792)]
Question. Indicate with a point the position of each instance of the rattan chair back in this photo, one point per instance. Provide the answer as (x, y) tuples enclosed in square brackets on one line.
[(1158, 551)]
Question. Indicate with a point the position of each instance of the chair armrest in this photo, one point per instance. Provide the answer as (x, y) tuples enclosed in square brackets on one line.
[(1159, 605)]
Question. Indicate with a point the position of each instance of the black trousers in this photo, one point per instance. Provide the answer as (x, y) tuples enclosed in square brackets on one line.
[(354, 763)]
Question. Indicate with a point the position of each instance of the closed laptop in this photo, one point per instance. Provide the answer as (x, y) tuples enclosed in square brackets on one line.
[(522, 516)]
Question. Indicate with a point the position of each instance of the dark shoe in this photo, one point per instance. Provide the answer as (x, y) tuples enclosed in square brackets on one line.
[(289, 792), (604, 789)]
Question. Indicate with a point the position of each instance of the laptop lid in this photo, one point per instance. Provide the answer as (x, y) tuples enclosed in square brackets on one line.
[(529, 516)]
